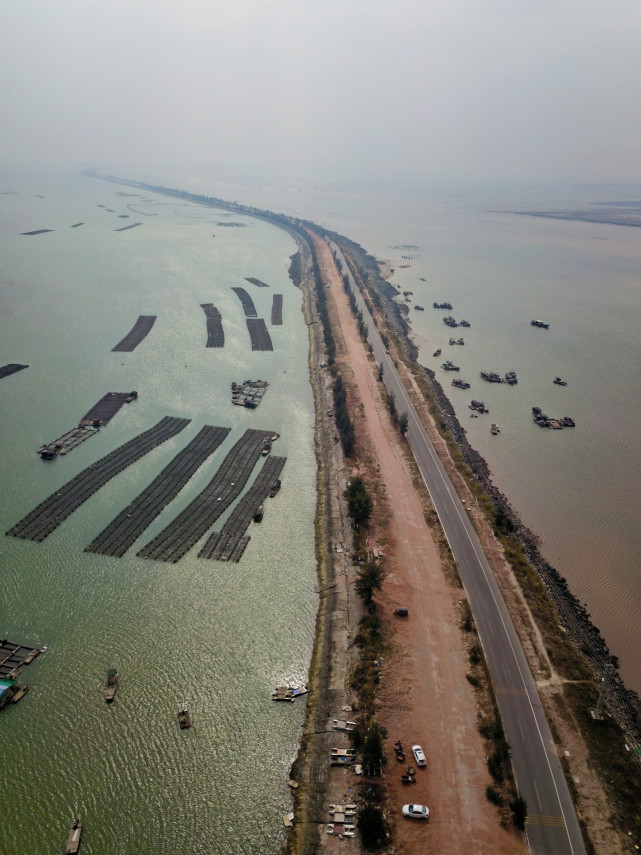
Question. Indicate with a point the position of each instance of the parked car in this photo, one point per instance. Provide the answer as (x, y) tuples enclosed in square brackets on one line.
[(416, 811), (417, 751)]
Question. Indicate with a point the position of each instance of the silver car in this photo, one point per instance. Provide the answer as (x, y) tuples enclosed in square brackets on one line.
[(416, 811), (417, 751)]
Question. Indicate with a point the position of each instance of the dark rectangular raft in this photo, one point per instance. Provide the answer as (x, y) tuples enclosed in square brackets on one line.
[(259, 334), (133, 338), (277, 310), (106, 408), (248, 303), (11, 368), (215, 333), (136, 517), (257, 282), (230, 542), (199, 516), (49, 514)]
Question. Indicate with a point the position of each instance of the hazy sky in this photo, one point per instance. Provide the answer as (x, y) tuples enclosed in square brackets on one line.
[(525, 89)]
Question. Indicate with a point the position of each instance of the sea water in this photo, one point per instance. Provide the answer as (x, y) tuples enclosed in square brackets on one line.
[(215, 636)]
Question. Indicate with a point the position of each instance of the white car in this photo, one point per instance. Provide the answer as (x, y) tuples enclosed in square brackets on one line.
[(416, 811), (417, 751)]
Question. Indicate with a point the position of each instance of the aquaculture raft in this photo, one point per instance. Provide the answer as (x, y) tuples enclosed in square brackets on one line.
[(14, 656), (52, 511), (249, 393), (259, 334), (215, 333), (11, 368), (230, 542), (199, 516), (140, 329), (277, 310), (248, 303), (257, 282), (106, 408), (130, 523)]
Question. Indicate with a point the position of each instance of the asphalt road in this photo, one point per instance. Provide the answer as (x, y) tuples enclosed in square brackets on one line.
[(552, 827)]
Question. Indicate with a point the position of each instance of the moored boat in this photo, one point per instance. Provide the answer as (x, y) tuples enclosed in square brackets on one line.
[(541, 324), (275, 488), (259, 512), (491, 376), (494, 429), (184, 719), (449, 366), (111, 685), (460, 384), (437, 352), (73, 840)]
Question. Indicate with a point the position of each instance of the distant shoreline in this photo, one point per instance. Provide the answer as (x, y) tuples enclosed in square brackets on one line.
[(632, 219)]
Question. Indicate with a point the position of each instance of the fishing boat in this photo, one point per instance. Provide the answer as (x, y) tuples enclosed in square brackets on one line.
[(111, 685), (494, 429), (541, 324), (73, 840)]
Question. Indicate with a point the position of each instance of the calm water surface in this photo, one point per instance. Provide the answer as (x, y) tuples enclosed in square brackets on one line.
[(218, 636)]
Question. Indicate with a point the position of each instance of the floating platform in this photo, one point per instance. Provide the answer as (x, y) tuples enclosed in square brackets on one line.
[(259, 334), (14, 656), (37, 232), (67, 442), (106, 408), (138, 332), (247, 302), (201, 514), (11, 368), (215, 333), (288, 694), (277, 310), (131, 522), (249, 393), (257, 282), (48, 515), (231, 541)]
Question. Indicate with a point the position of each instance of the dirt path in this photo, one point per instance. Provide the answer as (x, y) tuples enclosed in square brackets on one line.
[(424, 694)]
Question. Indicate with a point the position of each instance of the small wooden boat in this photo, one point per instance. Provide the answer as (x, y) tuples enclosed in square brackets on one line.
[(259, 512), (495, 429), (111, 685), (184, 719), (73, 840)]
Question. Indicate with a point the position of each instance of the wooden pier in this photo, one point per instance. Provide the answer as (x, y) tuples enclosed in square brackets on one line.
[(215, 333), (230, 542), (130, 523), (248, 303), (257, 282), (11, 368), (139, 331), (259, 334), (277, 310), (199, 516), (48, 515)]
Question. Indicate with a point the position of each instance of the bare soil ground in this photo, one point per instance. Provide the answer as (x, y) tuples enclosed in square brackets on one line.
[(425, 697)]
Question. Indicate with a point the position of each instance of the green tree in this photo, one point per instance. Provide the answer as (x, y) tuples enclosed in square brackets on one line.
[(371, 827), (359, 501), (404, 423)]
